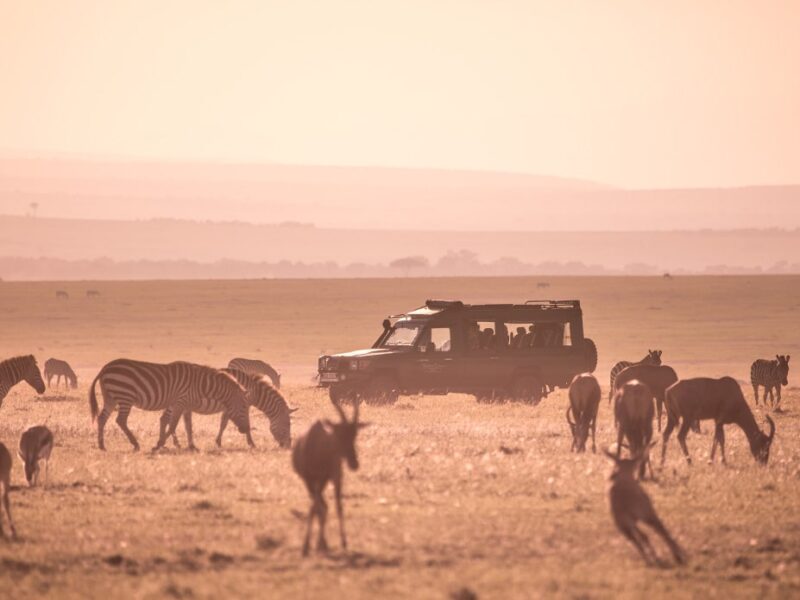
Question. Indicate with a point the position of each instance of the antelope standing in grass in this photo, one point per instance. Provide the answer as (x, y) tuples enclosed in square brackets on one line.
[(58, 369), (633, 409), (584, 400), (721, 400), (657, 377), (772, 374), (35, 445), (653, 357), (20, 368), (317, 458), (256, 367), (5, 486), (630, 505)]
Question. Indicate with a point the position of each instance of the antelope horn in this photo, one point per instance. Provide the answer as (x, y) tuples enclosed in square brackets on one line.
[(771, 428)]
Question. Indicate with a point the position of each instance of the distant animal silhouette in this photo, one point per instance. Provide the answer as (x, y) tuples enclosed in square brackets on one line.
[(54, 367), (722, 399), (543, 284), (35, 445), (92, 293), (657, 377), (584, 400), (771, 374), (653, 357), (20, 368), (267, 399), (5, 487), (256, 367), (317, 458), (630, 505), (62, 295), (182, 386)]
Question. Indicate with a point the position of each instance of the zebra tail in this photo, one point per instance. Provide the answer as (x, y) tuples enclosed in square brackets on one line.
[(93, 398)]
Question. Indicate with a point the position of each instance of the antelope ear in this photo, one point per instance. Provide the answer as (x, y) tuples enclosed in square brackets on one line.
[(787, 358)]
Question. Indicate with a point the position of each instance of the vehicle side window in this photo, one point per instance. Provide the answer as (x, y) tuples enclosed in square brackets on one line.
[(440, 340)]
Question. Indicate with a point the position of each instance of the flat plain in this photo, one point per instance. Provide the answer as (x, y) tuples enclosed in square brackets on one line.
[(451, 495)]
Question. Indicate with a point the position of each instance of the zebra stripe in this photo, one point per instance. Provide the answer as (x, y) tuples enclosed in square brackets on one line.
[(17, 369), (267, 399), (653, 357), (771, 374), (177, 388), (59, 368), (256, 367)]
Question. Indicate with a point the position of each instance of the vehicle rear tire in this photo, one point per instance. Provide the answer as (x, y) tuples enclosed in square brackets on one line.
[(589, 356), (528, 389), (380, 390)]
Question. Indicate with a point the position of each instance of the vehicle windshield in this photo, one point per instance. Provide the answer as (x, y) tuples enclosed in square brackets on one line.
[(404, 333)]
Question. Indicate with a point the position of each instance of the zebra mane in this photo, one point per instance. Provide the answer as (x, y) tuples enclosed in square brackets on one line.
[(19, 360)]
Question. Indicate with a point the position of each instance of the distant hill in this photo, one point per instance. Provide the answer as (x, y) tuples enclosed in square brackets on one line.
[(375, 198)]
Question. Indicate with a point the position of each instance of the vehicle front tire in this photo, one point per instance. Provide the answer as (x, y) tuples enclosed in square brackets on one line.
[(341, 394), (528, 389), (380, 390)]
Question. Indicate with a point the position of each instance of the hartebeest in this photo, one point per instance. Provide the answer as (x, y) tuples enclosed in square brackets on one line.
[(631, 504), (584, 400), (721, 400), (317, 458), (657, 378), (633, 411), (5, 486), (35, 444)]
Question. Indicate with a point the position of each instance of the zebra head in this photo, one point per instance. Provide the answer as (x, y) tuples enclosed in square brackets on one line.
[(281, 428), (32, 375), (783, 368), (653, 357)]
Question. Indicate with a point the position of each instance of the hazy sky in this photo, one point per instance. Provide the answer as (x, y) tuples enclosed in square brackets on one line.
[(629, 93)]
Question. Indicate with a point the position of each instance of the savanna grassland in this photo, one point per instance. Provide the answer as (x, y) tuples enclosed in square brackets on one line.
[(451, 494)]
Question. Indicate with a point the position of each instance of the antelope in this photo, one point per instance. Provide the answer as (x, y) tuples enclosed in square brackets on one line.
[(631, 504), (657, 377), (653, 357), (722, 399), (62, 295), (317, 458), (5, 486), (35, 444), (584, 400), (633, 410)]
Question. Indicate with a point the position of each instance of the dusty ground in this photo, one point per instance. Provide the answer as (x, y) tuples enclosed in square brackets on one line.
[(451, 494)]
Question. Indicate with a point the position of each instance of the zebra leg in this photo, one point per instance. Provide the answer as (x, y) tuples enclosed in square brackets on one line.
[(122, 421), (175, 413), (101, 425), (778, 392), (162, 428), (187, 423), (755, 392), (223, 423), (766, 389)]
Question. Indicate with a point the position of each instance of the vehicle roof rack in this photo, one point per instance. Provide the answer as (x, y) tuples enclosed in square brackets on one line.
[(554, 303), (442, 304)]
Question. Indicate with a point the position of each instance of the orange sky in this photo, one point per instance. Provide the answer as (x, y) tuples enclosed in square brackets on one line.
[(631, 93)]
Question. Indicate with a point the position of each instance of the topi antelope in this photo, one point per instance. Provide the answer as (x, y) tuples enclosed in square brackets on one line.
[(5, 485), (722, 400), (633, 411), (584, 400), (317, 458), (631, 504), (657, 377), (35, 444)]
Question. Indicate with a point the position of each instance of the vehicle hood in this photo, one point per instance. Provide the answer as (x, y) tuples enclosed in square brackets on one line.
[(371, 352)]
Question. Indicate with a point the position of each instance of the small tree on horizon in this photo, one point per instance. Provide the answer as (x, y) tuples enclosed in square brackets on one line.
[(407, 263)]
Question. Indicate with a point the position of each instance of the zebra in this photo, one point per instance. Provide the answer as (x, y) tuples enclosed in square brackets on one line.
[(771, 374), (62, 295), (256, 367), (268, 400), (653, 357), (59, 368), (17, 369), (180, 387)]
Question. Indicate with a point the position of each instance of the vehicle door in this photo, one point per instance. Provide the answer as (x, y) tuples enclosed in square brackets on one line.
[(483, 365), (433, 365)]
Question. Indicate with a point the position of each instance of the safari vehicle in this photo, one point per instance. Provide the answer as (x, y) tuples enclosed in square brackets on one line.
[(493, 351)]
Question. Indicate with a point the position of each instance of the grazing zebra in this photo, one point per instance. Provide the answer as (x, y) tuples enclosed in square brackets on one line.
[(17, 369), (771, 374), (256, 367), (180, 387), (60, 368), (267, 399), (653, 357), (92, 293), (62, 295)]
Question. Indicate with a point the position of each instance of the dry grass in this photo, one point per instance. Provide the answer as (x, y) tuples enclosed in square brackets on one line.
[(452, 496)]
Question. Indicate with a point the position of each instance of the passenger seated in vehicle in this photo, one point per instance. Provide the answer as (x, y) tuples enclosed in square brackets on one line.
[(516, 340), (501, 339), (487, 339), (473, 336)]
